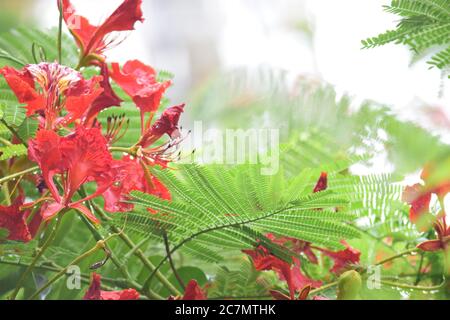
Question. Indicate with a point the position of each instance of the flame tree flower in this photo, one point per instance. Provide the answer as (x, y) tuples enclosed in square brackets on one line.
[(92, 40), (78, 158)]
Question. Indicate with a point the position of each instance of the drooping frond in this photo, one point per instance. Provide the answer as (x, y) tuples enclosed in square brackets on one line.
[(425, 24)]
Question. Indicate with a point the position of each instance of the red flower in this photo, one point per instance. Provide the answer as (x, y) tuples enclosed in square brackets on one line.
[(443, 236), (79, 158), (93, 40), (129, 176), (419, 199), (15, 221), (434, 182), (296, 245), (193, 292), (166, 124), (106, 99), (342, 259), (322, 183), (139, 82), (263, 260), (48, 88), (95, 293)]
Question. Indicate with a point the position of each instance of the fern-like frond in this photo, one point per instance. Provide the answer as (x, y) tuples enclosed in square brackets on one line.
[(12, 151), (234, 207), (26, 46), (425, 25)]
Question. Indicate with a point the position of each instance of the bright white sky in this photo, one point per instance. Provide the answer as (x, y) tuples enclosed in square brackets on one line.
[(255, 32)]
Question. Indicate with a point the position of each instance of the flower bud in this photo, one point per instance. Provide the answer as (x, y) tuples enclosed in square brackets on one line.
[(349, 285)]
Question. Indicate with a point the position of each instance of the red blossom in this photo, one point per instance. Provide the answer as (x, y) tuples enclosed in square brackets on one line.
[(322, 183), (80, 157), (106, 99), (434, 182), (15, 221), (95, 293), (193, 292), (291, 273), (48, 88), (139, 82), (129, 176), (166, 124), (419, 199), (94, 40), (343, 259), (442, 231)]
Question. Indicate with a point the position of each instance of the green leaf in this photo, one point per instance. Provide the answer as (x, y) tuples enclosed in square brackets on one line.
[(28, 128), (16, 150)]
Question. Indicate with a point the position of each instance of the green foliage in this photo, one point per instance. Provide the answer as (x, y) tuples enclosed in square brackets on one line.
[(26, 46), (244, 281), (12, 151), (424, 25), (219, 207)]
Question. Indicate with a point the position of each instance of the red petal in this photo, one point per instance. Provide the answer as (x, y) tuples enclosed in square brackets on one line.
[(322, 183), (94, 292), (431, 245), (419, 201), (107, 98), (342, 259), (80, 97), (22, 84), (193, 292), (14, 220), (166, 124), (87, 157), (139, 82), (45, 150), (50, 210), (86, 212), (91, 39)]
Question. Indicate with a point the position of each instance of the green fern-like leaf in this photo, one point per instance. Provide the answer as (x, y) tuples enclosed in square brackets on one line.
[(425, 25), (232, 208), (12, 151)]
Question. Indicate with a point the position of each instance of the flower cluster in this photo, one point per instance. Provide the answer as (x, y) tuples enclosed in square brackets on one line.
[(70, 146)]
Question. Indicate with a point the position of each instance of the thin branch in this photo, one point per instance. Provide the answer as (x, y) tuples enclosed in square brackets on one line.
[(172, 265)]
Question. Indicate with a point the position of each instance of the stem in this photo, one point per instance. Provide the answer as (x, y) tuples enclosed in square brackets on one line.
[(413, 287), (84, 278), (199, 233), (419, 270), (18, 174), (7, 57), (60, 32), (5, 142), (98, 246), (141, 256), (324, 287), (6, 194), (41, 251), (116, 261), (172, 265), (120, 149), (399, 255)]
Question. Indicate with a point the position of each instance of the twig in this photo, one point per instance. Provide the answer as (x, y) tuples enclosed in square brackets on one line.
[(172, 265)]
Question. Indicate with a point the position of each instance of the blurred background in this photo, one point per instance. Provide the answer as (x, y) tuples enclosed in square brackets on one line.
[(195, 39), (202, 41)]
